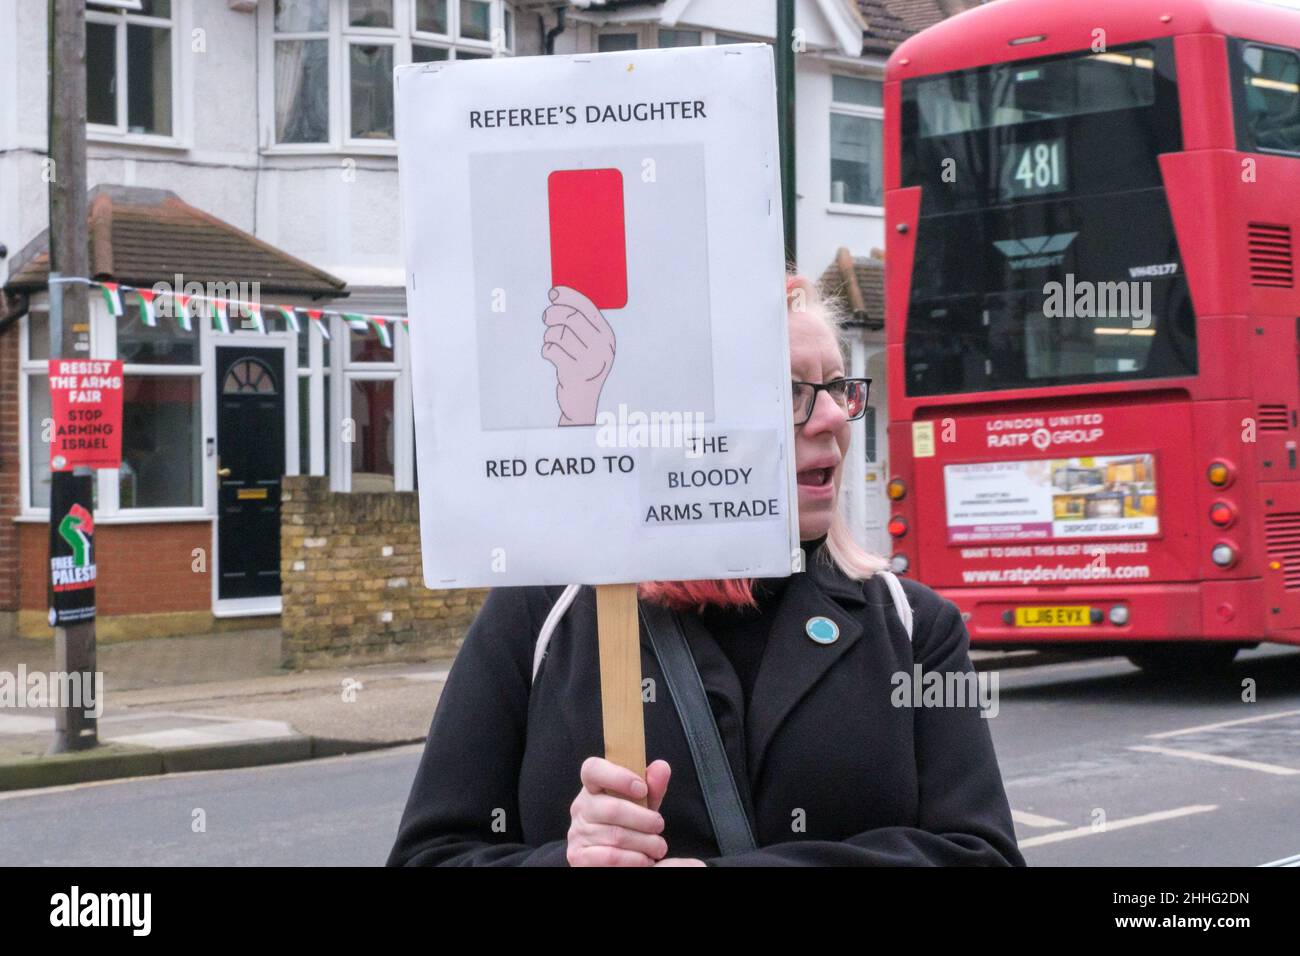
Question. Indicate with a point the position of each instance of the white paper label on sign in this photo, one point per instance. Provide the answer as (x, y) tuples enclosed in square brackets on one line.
[(593, 282), (716, 478)]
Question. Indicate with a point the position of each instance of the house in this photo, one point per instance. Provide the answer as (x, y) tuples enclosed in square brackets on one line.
[(248, 144)]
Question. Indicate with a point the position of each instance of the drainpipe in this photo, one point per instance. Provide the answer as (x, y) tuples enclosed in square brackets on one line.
[(549, 43)]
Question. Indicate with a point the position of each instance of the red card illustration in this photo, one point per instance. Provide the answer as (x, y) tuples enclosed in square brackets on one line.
[(588, 239)]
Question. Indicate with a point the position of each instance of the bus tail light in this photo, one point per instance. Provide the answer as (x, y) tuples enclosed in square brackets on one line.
[(1119, 615), (897, 526), (1223, 514), (896, 489), (1224, 555), (1220, 473), (899, 564)]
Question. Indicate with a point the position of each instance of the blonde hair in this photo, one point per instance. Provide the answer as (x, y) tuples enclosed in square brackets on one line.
[(843, 549)]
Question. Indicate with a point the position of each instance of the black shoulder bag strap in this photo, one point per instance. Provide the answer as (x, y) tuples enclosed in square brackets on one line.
[(726, 811)]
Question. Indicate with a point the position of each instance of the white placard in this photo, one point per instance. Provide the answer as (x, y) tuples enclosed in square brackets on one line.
[(514, 173)]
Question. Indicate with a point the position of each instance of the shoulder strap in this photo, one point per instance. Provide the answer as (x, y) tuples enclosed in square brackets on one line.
[(900, 600), (726, 811), (548, 627)]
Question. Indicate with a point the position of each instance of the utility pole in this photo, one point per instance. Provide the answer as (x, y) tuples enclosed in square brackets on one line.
[(69, 310), (785, 118)]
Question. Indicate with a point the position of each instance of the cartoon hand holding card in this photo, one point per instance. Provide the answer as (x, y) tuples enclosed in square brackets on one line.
[(580, 344), (589, 273)]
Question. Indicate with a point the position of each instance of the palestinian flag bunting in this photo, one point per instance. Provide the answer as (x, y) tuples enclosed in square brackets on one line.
[(220, 317), (177, 306), (148, 315), (254, 312), (317, 319), (290, 316), (181, 308), (112, 297)]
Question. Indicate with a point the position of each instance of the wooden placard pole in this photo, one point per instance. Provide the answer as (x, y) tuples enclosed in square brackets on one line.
[(619, 636)]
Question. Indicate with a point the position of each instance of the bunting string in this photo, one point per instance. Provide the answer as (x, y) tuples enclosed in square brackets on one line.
[(222, 312)]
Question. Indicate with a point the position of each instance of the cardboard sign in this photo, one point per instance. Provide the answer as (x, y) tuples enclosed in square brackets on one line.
[(596, 286), (72, 549), (86, 405)]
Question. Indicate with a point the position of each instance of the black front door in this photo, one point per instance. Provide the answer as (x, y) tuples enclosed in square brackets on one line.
[(250, 449)]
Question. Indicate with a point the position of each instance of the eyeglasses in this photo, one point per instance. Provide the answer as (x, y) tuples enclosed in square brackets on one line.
[(849, 394)]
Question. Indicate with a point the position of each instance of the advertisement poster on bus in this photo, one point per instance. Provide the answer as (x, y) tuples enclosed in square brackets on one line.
[(1093, 497)]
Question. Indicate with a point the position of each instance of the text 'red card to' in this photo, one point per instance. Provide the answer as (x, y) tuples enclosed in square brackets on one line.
[(588, 239)]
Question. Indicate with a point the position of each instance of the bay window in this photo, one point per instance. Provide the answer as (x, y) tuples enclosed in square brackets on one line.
[(331, 82), (162, 406), (375, 406), (649, 36), (161, 428)]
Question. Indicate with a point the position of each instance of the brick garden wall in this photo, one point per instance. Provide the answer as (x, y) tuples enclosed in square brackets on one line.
[(352, 583), (154, 580)]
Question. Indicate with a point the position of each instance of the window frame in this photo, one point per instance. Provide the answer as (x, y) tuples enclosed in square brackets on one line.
[(120, 132), (647, 35), (340, 37), (876, 113), (1245, 136), (344, 372)]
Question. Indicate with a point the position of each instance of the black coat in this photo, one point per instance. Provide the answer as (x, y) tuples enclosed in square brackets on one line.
[(830, 771)]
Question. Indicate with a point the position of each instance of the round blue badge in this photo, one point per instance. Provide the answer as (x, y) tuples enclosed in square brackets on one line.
[(822, 630)]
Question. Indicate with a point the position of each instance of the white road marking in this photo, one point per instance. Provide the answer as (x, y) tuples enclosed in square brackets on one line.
[(1034, 820), (1112, 825), (1224, 723), (427, 675), (1285, 861), (1219, 759), (23, 724), (217, 733)]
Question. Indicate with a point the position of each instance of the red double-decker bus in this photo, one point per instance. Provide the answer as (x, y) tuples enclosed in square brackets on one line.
[(1093, 322)]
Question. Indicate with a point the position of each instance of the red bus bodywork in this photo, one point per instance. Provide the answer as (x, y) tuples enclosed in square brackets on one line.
[(1248, 371)]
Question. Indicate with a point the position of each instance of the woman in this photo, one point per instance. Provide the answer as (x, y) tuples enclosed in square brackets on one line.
[(831, 769)]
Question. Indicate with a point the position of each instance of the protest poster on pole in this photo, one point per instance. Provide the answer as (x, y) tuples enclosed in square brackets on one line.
[(86, 409), (72, 551), (596, 288)]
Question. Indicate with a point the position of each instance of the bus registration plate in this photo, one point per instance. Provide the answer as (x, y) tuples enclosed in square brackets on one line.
[(1075, 616)]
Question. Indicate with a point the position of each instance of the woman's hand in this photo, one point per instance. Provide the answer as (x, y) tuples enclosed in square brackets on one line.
[(608, 828)]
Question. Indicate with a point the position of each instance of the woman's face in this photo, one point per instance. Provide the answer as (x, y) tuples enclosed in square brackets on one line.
[(821, 443)]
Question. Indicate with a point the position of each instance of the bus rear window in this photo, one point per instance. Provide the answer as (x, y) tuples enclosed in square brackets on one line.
[(1016, 93), (980, 344)]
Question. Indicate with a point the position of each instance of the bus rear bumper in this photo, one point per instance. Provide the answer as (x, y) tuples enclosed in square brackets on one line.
[(1213, 611)]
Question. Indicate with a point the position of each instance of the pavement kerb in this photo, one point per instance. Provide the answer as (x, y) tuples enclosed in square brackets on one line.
[(115, 761)]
